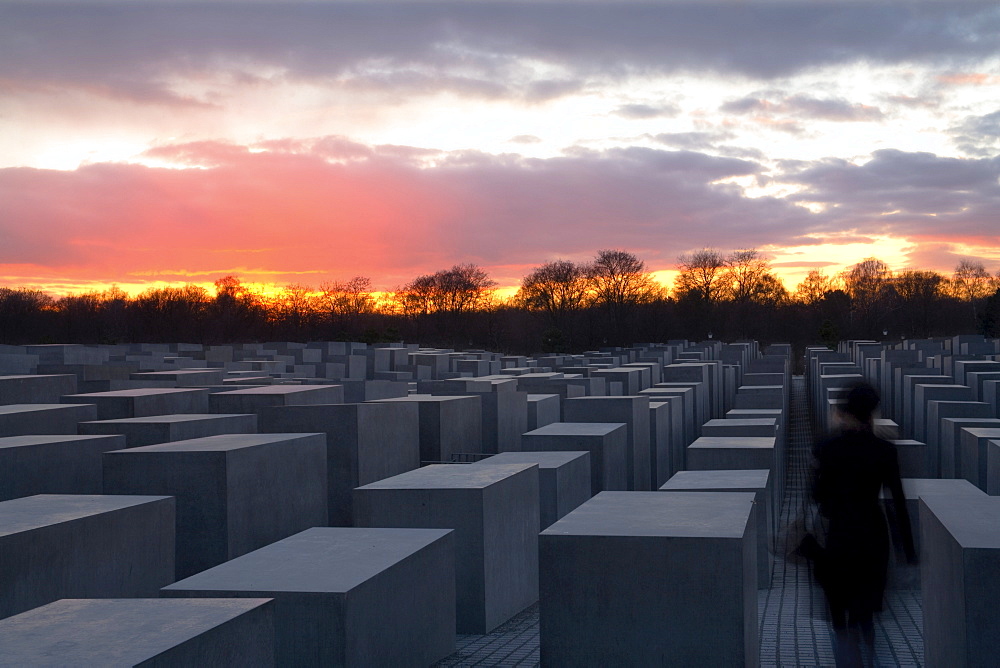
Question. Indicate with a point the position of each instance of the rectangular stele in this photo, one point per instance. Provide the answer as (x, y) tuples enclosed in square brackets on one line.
[(144, 401), (53, 464), (494, 512), (235, 493), (563, 479), (364, 443), (631, 410), (651, 579), (756, 481), (347, 596), (31, 419), (153, 429), (959, 562), (56, 546), (141, 632), (607, 444)]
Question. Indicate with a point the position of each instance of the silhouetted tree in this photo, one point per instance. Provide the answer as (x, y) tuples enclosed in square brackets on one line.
[(700, 275), (619, 282)]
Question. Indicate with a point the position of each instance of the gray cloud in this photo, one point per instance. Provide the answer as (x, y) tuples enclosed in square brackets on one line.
[(640, 111), (692, 140), (133, 49), (804, 106), (908, 194), (979, 135)]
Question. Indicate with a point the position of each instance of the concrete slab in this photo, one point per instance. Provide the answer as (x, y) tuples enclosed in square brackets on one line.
[(347, 596), (606, 443), (494, 512), (141, 632), (686, 561), (56, 546), (153, 429), (235, 493)]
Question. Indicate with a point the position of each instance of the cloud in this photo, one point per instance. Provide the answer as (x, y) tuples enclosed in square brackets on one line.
[(979, 135), (482, 48), (907, 194), (643, 111), (385, 214), (805, 107), (692, 140), (525, 139)]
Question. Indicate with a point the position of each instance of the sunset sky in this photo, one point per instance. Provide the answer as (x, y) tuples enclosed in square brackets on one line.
[(300, 142)]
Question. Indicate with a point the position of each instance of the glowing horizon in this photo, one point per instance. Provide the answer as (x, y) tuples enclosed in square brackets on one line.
[(297, 143)]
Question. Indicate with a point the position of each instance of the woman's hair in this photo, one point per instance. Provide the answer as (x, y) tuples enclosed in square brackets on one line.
[(862, 400)]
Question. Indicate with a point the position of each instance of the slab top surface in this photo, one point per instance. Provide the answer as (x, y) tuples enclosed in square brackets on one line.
[(8, 409), (742, 422), (41, 510), (577, 429), (733, 442), (659, 514), (543, 459), (105, 632), (973, 521), (277, 389), (19, 441), (426, 398), (733, 479), (321, 559), (165, 419), (220, 442), (449, 476), (137, 392)]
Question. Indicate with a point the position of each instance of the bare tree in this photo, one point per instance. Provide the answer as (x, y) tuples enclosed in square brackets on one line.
[(748, 278), (814, 287), (619, 282), (700, 275), (971, 283), (464, 287), (869, 287), (558, 288), (346, 298)]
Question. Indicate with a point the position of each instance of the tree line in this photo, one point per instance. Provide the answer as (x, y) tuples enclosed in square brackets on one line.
[(560, 306)]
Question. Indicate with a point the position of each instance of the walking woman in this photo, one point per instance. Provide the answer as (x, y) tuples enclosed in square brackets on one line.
[(852, 468)]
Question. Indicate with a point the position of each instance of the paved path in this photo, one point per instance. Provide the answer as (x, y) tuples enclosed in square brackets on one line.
[(794, 626)]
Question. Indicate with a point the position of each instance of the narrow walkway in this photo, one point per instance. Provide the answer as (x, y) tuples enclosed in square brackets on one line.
[(794, 626)]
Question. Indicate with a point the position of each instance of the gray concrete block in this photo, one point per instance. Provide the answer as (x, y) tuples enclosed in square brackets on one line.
[(973, 445), (757, 481), (55, 464), (633, 411), (141, 632), (717, 453), (912, 458), (153, 429), (447, 425), (543, 409), (143, 401), (563, 480), (923, 394), (494, 512), (35, 389), (183, 377), (993, 467), (347, 596), (937, 411), (364, 443), (654, 578), (959, 586), (234, 493), (951, 452), (740, 427), (81, 546), (606, 443), (253, 399), (28, 419), (661, 445)]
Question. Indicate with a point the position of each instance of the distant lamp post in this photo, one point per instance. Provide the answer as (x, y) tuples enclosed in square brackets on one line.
[(885, 333), (710, 335)]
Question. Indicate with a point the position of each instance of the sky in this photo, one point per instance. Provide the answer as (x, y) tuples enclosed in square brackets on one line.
[(303, 142)]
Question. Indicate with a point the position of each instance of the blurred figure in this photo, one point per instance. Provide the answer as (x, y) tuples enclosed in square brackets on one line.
[(852, 467)]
